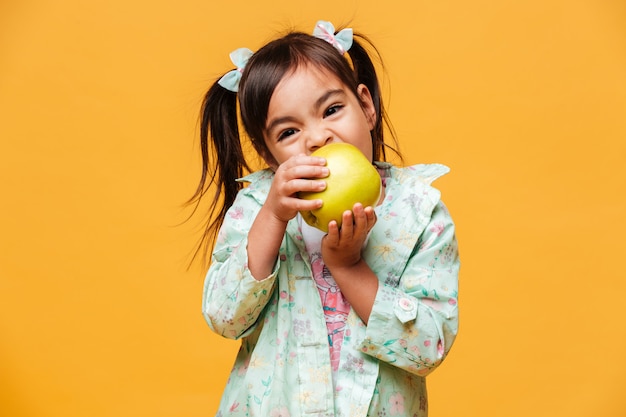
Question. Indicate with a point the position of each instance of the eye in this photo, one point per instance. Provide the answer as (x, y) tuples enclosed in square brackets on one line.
[(332, 110), (286, 133)]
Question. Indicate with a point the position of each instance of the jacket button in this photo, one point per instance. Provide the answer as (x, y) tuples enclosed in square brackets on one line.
[(406, 304)]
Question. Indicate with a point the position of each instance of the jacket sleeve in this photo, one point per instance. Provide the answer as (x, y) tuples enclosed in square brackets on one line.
[(233, 299), (413, 325)]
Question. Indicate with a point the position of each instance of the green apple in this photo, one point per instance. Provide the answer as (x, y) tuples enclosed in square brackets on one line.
[(352, 179)]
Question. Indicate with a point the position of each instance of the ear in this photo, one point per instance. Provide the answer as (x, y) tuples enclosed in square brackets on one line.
[(367, 104)]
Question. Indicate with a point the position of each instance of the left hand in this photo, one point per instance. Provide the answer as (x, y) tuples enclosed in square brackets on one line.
[(341, 248)]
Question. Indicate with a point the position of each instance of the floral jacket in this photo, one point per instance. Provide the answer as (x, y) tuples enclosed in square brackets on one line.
[(283, 366)]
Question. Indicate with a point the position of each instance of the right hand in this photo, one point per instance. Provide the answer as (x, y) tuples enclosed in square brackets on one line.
[(298, 173)]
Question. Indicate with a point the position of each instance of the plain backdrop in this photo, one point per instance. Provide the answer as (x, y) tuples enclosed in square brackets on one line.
[(524, 100)]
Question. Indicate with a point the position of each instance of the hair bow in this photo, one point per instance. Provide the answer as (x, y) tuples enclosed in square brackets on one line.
[(342, 41), (230, 80)]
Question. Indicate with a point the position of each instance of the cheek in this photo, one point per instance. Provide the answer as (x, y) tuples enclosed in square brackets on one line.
[(368, 156), (366, 147), (366, 144), (268, 155), (364, 131)]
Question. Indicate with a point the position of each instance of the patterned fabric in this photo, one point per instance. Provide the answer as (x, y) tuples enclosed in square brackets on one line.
[(283, 367), (336, 308)]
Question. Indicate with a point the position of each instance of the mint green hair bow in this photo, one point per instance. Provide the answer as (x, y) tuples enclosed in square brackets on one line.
[(342, 41), (230, 80)]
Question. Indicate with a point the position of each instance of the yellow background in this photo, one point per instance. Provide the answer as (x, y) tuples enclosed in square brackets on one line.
[(524, 100)]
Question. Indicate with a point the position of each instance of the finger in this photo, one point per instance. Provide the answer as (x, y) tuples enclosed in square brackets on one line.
[(370, 215), (308, 171), (286, 207), (306, 205), (347, 224), (303, 159), (361, 220), (302, 166), (304, 185), (332, 237), (359, 213)]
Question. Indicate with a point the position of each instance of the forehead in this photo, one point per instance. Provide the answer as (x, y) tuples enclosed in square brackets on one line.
[(308, 76)]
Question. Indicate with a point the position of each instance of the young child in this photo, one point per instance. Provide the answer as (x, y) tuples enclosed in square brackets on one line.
[(346, 323)]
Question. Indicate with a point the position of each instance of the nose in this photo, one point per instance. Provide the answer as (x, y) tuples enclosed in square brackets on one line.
[(317, 137)]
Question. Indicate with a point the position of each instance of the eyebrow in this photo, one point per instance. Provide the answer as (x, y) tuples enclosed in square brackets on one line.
[(318, 103)]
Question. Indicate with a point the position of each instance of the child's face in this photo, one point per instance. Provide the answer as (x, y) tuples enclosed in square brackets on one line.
[(311, 108)]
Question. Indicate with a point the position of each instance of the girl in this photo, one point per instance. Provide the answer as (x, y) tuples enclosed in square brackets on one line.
[(343, 324)]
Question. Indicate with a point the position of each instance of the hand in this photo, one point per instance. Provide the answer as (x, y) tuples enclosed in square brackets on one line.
[(341, 248), (282, 204), (296, 174)]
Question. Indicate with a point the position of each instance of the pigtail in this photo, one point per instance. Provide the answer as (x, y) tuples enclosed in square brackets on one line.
[(365, 73), (223, 161)]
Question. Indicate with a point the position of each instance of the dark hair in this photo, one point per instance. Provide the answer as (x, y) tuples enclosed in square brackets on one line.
[(223, 159)]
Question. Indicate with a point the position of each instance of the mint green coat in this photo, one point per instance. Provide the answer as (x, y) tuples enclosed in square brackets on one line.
[(283, 366)]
